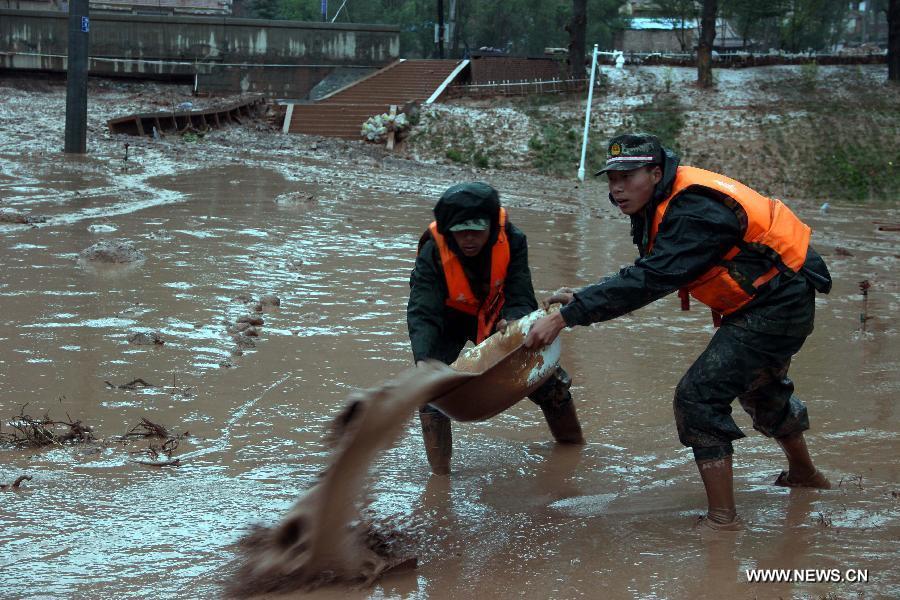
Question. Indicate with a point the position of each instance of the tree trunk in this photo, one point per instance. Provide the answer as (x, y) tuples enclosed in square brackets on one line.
[(704, 49), (440, 24), (894, 40), (577, 31)]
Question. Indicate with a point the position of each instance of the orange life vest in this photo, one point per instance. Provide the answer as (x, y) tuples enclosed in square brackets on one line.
[(772, 230), (460, 296)]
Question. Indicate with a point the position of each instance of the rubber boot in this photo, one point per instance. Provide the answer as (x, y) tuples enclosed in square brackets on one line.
[(438, 441), (563, 421), (718, 479), (801, 471)]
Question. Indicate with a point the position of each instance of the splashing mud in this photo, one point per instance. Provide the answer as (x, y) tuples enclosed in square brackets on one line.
[(322, 540)]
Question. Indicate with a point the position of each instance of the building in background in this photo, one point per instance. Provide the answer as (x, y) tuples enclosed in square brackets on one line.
[(137, 7), (656, 34)]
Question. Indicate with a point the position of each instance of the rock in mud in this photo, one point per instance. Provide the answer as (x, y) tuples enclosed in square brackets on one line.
[(141, 338), (11, 215), (296, 199), (113, 252), (251, 332), (235, 351), (101, 228), (254, 320), (242, 341), (245, 298), (270, 300), (237, 328)]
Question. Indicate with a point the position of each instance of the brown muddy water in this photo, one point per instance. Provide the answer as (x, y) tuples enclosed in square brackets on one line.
[(519, 517)]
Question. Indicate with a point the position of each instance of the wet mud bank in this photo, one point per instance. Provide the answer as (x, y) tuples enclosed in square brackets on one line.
[(518, 515)]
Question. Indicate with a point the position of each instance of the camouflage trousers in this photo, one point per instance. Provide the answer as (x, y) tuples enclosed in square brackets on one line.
[(553, 393), (748, 365)]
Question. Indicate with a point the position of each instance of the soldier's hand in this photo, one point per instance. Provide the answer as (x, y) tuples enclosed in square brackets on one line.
[(501, 325), (545, 330), (563, 296)]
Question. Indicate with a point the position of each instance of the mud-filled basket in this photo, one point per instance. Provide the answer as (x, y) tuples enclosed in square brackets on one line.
[(501, 372)]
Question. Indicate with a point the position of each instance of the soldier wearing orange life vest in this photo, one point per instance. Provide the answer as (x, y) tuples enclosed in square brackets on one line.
[(745, 256), (471, 277)]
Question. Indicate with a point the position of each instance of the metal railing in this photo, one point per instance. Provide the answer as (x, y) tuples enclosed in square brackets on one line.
[(516, 88)]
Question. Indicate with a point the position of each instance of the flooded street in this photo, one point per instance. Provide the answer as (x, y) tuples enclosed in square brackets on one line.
[(519, 516)]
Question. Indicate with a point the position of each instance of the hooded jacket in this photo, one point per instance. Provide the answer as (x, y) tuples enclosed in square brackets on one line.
[(697, 230), (436, 330)]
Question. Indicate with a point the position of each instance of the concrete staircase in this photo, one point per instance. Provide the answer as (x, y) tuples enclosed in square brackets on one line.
[(342, 113)]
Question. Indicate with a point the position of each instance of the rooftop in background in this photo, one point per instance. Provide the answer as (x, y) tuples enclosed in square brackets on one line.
[(141, 7), (659, 23)]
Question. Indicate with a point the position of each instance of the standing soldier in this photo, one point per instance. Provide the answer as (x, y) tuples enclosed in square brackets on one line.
[(471, 277), (745, 256)]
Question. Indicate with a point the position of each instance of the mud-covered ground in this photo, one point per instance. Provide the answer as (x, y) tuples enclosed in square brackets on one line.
[(798, 132), (331, 229)]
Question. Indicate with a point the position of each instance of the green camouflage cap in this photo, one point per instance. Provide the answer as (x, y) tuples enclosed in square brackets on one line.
[(472, 225), (632, 151)]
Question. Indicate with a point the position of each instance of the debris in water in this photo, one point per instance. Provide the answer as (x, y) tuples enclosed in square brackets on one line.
[(147, 428), (134, 384), (864, 286), (887, 226), (857, 479), (842, 251), (186, 392), (36, 433), (15, 484), (157, 456)]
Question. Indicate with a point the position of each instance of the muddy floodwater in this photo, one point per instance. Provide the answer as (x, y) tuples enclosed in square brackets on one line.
[(519, 517)]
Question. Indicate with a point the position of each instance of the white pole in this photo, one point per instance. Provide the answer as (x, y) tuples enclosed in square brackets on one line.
[(587, 116)]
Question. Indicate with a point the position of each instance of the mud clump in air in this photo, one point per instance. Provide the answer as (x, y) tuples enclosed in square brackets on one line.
[(323, 540)]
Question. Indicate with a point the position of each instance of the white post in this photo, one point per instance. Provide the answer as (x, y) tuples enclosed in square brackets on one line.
[(587, 116)]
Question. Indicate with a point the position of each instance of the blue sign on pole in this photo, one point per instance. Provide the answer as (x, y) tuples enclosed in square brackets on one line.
[(324, 10), (85, 24)]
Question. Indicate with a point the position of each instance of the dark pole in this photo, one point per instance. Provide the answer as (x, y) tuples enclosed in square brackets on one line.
[(440, 28), (76, 79), (894, 40)]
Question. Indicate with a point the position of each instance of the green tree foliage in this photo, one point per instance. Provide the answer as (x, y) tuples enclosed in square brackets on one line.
[(792, 25), (813, 24), (517, 26), (756, 21)]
